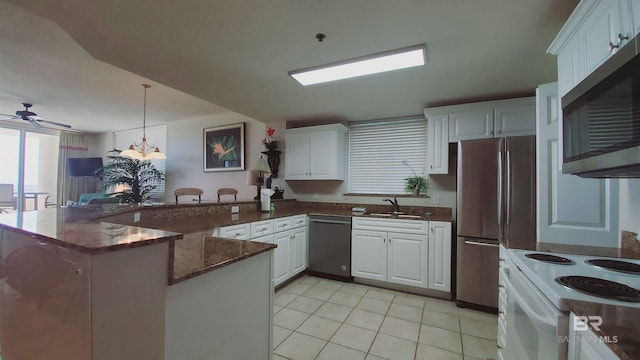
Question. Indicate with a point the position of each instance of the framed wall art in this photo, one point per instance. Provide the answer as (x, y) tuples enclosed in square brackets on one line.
[(224, 148)]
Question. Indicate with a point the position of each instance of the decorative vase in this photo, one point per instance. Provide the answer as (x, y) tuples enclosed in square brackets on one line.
[(416, 191), (271, 146)]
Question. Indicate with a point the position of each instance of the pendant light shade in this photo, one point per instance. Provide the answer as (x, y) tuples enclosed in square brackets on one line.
[(139, 151)]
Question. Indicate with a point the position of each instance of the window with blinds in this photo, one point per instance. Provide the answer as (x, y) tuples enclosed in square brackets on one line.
[(382, 154)]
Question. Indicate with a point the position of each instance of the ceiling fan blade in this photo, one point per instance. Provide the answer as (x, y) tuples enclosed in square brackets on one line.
[(35, 124), (52, 123)]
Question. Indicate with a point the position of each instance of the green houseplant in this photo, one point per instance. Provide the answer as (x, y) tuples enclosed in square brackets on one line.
[(416, 184), (139, 177)]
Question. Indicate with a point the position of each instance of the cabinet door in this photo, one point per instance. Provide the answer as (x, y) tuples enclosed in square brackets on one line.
[(325, 151), (297, 156), (600, 28), (438, 144), (298, 250), (467, 125), (570, 66), (440, 255), (281, 257), (369, 254), (635, 12), (517, 120), (407, 259), (570, 209)]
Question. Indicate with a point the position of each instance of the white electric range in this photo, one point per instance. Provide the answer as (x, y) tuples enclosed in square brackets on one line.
[(533, 297), (555, 274)]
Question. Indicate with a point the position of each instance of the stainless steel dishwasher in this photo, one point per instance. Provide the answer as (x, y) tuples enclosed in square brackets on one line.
[(330, 247)]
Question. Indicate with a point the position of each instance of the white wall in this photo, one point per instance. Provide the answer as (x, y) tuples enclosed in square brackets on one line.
[(185, 156), (630, 205)]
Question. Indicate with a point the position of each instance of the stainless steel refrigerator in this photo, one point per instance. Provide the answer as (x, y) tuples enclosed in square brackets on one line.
[(496, 201)]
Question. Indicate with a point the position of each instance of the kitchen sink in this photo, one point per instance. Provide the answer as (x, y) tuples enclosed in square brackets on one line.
[(398, 215)]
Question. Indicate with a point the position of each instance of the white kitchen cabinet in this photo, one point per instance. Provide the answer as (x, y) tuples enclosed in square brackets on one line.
[(315, 153), (439, 255), (291, 255), (238, 232), (600, 32), (511, 117), (281, 257), (407, 260), (474, 124), (298, 250), (369, 254), (593, 32), (515, 118), (398, 257), (438, 144), (261, 228), (586, 345), (635, 13)]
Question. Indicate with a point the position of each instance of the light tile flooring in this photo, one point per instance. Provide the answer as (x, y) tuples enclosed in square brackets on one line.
[(323, 319)]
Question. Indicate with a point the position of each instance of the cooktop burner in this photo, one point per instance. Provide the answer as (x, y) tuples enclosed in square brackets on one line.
[(550, 258), (616, 265), (600, 288)]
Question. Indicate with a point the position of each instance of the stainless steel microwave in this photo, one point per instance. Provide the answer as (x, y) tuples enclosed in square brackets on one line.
[(601, 119)]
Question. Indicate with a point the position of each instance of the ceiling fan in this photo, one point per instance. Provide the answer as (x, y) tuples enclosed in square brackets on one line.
[(31, 117)]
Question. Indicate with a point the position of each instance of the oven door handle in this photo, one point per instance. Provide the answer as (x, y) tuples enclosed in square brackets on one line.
[(531, 313)]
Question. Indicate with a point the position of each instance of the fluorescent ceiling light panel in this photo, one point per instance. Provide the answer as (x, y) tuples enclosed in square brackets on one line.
[(366, 65)]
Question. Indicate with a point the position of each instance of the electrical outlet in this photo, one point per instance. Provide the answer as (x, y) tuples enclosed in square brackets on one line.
[(435, 199), (315, 196), (136, 217), (235, 209)]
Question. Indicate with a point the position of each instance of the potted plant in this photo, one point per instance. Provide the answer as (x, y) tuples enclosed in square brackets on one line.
[(135, 179), (269, 141), (416, 184)]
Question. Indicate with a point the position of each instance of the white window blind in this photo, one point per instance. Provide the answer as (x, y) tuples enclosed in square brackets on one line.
[(377, 151), (157, 136)]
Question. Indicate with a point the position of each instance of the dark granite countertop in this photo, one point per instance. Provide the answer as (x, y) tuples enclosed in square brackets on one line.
[(188, 228), (72, 228), (618, 321)]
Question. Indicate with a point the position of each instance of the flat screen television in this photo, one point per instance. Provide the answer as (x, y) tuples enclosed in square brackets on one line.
[(84, 166)]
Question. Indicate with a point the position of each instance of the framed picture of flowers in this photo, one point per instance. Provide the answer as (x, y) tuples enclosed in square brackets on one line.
[(224, 148)]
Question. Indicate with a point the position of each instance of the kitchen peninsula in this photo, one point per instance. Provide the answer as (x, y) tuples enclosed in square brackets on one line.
[(75, 286), (139, 282)]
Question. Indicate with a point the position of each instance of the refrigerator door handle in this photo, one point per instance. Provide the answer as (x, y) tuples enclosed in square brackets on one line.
[(508, 191), (499, 207)]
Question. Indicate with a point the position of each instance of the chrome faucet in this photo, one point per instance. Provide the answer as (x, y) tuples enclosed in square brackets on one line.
[(394, 204)]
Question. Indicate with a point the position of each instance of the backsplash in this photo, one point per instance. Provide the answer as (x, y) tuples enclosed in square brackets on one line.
[(630, 242)]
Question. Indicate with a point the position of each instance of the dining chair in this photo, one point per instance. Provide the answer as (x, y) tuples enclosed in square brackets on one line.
[(48, 203), (7, 200), (228, 191), (189, 192)]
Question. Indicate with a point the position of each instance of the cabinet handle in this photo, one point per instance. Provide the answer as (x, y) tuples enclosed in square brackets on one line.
[(431, 166), (622, 38), (612, 46), (499, 132)]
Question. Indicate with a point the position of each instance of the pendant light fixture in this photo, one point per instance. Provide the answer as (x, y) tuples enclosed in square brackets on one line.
[(139, 151)]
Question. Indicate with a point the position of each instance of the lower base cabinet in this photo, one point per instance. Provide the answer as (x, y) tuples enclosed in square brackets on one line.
[(421, 257), (440, 255), (290, 257)]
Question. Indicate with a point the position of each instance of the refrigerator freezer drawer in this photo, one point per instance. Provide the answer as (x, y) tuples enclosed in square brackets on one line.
[(477, 271)]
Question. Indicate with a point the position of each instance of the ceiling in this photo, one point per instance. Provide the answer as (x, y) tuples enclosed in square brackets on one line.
[(236, 55)]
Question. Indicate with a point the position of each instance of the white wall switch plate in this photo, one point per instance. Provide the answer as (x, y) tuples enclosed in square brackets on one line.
[(436, 199), (235, 209), (136, 217)]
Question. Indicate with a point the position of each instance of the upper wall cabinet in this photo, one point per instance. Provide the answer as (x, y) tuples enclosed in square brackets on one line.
[(315, 153), (595, 30), (512, 117)]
